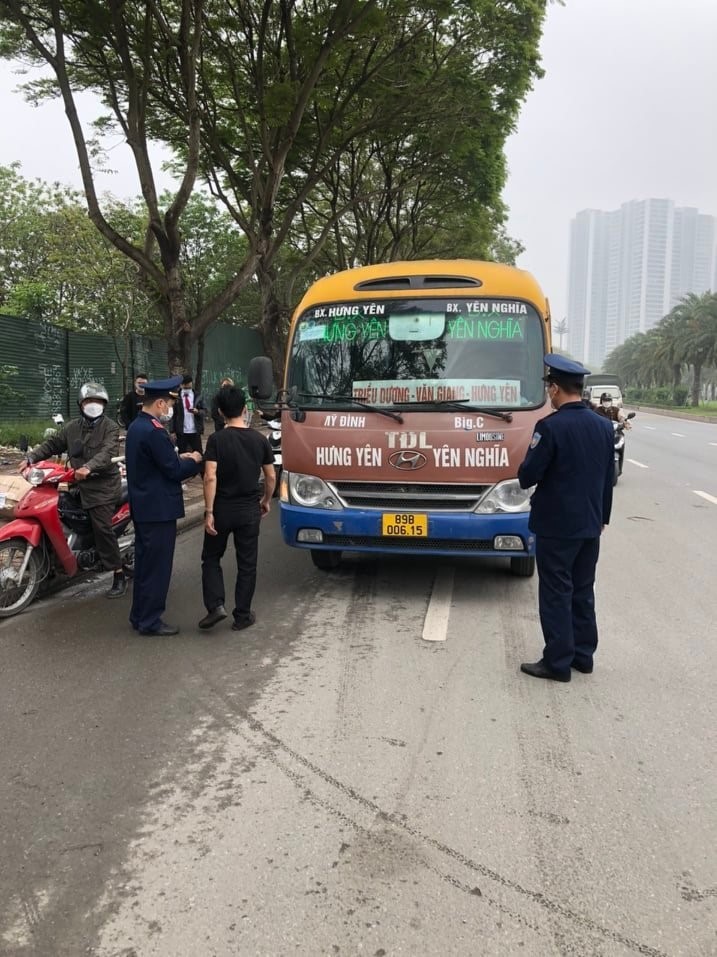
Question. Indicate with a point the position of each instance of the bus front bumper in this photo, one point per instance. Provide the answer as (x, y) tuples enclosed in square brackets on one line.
[(449, 533)]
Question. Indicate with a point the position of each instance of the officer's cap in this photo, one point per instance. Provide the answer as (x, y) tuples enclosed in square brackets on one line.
[(564, 371), (161, 388)]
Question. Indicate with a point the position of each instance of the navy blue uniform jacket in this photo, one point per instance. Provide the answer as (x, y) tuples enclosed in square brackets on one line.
[(570, 460), (155, 472)]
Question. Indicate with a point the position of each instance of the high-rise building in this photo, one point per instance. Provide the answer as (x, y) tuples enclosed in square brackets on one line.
[(629, 267)]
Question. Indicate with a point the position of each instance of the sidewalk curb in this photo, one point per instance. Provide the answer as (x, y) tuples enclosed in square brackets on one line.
[(674, 414), (193, 515)]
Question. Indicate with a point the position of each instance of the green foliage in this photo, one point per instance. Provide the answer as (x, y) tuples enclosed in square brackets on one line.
[(685, 339), (33, 430), (8, 390), (334, 132)]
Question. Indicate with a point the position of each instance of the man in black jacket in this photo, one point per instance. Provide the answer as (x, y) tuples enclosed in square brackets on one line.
[(92, 441), (131, 404)]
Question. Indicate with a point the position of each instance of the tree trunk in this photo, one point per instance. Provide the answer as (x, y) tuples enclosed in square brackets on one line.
[(177, 329), (273, 324), (696, 383), (200, 365), (676, 376)]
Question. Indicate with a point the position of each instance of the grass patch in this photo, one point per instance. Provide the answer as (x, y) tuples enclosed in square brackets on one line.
[(12, 430), (706, 409)]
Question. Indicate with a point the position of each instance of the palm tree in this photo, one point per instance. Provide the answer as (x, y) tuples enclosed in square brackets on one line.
[(560, 328), (697, 316)]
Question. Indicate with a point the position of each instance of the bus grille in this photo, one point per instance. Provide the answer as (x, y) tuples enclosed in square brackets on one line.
[(410, 496)]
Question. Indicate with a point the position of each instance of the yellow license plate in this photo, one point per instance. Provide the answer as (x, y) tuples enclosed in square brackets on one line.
[(404, 525)]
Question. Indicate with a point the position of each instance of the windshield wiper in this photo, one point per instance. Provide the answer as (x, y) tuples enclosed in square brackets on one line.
[(349, 398), (461, 404)]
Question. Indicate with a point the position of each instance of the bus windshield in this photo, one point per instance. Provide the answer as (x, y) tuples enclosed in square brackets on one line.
[(484, 352)]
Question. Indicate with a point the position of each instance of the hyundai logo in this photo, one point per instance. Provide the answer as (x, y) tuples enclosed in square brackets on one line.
[(408, 461)]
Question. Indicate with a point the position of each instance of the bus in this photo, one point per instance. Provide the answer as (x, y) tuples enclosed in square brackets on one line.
[(410, 393)]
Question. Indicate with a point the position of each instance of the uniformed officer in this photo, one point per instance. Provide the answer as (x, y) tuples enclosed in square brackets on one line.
[(154, 479), (570, 461)]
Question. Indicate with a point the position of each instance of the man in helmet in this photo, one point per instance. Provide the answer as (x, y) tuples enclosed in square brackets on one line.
[(609, 410), (91, 441)]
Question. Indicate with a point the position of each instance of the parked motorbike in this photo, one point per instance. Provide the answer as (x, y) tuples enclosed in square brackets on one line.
[(619, 432), (51, 535)]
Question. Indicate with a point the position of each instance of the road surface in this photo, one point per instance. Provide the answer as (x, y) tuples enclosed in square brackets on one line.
[(366, 771)]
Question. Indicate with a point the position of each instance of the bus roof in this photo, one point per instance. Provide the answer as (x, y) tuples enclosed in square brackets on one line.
[(462, 277)]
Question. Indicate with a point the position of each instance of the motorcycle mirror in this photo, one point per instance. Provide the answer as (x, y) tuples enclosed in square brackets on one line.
[(631, 415), (23, 444)]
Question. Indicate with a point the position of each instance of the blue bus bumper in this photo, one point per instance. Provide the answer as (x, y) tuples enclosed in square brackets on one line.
[(452, 533)]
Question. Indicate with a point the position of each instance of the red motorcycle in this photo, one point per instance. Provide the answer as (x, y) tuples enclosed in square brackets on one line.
[(51, 534)]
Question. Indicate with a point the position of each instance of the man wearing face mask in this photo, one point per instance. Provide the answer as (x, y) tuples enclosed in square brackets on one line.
[(131, 404), (155, 473), (570, 462), (610, 411), (92, 440)]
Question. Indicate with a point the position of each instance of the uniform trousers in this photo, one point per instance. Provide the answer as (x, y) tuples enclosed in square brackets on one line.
[(153, 557), (243, 522), (105, 538), (566, 599)]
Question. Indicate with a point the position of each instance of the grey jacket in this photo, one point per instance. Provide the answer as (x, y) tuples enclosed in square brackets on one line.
[(92, 445)]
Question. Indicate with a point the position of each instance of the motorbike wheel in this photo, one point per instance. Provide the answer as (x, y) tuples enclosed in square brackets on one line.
[(278, 481), (15, 597), (622, 459), (522, 567), (615, 473), (326, 561)]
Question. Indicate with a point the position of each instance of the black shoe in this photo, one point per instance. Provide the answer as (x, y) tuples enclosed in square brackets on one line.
[(163, 630), (541, 670), (119, 586), (213, 618), (244, 622), (583, 666)]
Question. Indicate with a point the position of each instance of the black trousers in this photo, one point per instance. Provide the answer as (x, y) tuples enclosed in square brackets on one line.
[(153, 557), (105, 538), (244, 525), (566, 598), (189, 442)]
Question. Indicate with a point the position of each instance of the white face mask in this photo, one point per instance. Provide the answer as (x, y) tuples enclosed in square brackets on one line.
[(606, 405), (93, 410), (167, 417)]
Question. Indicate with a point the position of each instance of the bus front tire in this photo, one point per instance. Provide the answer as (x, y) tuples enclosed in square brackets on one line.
[(522, 567), (326, 561)]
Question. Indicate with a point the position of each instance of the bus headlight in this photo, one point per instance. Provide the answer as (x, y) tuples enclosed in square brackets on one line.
[(506, 497), (311, 492)]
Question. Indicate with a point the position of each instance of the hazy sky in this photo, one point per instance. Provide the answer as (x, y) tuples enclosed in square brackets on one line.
[(627, 110)]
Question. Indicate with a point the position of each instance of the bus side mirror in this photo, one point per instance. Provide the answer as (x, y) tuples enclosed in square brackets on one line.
[(260, 378)]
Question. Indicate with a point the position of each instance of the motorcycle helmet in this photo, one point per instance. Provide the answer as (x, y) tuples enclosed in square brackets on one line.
[(93, 390)]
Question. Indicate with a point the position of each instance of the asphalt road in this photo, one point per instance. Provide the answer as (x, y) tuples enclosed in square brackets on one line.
[(332, 782)]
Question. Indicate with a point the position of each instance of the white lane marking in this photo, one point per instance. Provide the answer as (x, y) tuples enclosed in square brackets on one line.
[(679, 435), (713, 443), (706, 495), (651, 428), (638, 464), (435, 626)]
